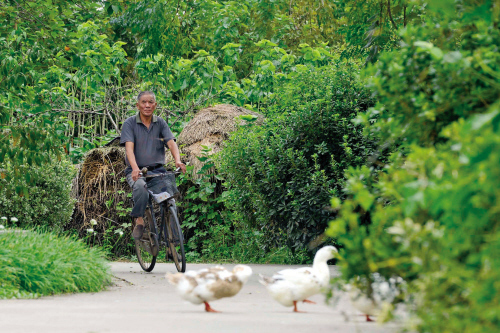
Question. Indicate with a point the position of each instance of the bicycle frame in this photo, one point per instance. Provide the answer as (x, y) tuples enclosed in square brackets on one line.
[(165, 232)]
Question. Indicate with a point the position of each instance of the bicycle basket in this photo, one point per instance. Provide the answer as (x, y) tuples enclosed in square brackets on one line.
[(168, 191), (170, 185)]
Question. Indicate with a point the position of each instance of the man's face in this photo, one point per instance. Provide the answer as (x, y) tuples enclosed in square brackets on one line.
[(146, 105)]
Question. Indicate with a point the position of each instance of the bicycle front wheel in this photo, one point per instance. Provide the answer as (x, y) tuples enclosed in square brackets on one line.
[(175, 239), (147, 247)]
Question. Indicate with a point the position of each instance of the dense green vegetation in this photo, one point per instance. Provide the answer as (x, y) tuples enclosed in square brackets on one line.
[(48, 202), (41, 263), (280, 175), (391, 108), (431, 215)]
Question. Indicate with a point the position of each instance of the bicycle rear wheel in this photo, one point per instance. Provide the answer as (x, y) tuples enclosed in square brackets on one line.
[(147, 247), (175, 239)]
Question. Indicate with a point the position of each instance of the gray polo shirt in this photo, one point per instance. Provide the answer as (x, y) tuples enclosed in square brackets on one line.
[(149, 143)]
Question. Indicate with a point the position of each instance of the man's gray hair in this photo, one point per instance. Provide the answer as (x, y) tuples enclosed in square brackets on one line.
[(142, 93)]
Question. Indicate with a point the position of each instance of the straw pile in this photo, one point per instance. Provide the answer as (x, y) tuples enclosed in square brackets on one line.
[(101, 191), (210, 127)]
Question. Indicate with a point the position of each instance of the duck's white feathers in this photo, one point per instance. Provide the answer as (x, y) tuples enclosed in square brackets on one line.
[(382, 291), (363, 303), (210, 284), (291, 285)]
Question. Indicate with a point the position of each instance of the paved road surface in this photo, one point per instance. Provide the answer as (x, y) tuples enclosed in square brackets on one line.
[(144, 302)]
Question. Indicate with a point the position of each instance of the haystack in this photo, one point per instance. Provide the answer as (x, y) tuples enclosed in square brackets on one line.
[(101, 191), (210, 127)]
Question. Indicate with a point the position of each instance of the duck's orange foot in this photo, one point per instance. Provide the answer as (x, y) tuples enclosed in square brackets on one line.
[(208, 308), (295, 307), (308, 301)]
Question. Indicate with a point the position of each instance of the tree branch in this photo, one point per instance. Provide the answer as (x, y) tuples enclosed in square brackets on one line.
[(78, 111), (113, 122), (404, 16), (390, 14)]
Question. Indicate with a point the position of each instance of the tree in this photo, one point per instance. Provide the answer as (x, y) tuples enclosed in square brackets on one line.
[(38, 51)]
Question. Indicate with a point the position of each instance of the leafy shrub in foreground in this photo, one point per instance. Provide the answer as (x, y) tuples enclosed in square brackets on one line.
[(441, 232), (48, 202), (35, 264), (433, 215), (281, 175)]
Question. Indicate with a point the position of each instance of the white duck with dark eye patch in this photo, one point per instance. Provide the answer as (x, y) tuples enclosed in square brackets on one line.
[(210, 284), (290, 286)]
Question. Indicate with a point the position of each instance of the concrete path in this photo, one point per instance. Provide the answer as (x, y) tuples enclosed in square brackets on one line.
[(144, 302)]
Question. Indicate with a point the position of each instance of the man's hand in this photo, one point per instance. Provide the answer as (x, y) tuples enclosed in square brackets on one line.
[(181, 165), (176, 155), (135, 174)]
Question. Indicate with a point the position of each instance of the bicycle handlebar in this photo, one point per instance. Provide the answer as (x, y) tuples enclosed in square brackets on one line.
[(144, 173)]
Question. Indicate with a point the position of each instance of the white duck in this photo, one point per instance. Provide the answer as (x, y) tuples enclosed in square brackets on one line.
[(382, 291), (210, 284), (290, 286)]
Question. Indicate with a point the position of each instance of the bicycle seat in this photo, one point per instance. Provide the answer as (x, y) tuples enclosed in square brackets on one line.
[(162, 196)]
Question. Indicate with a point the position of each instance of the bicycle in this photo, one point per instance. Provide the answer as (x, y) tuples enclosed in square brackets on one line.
[(164, 233)]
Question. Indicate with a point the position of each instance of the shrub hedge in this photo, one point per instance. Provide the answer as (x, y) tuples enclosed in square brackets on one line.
[(281, 175), (48, 202)]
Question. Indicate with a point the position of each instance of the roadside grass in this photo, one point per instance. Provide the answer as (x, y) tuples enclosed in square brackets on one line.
[(37, 263)]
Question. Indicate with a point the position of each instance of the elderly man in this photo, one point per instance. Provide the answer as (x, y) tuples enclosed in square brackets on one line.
[(144, 136)]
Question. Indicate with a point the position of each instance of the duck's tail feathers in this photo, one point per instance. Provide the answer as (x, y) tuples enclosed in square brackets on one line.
[(265, 280), (173, 278)]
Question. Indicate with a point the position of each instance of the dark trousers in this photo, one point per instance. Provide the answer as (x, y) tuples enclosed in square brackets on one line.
[(140, 194)]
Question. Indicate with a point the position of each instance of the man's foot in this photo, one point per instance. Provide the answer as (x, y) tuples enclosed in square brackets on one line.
[(138, 231)]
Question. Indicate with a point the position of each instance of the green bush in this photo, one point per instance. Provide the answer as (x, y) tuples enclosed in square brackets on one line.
[(441, 231), (35, 264), (444, 71), (431, 215), (215, 234), (48, 201), (232, 241), (281, 175)]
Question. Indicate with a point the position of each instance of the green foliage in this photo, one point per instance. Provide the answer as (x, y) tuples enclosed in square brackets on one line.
[(440, 232), (442, 72), (206, 79), (431, 215), (215, 234), (36, 264), (46, 202), (281, 175), (48, 52), (111, 236), (210, 25), (371, 27), (200, 207), (233, 241)]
